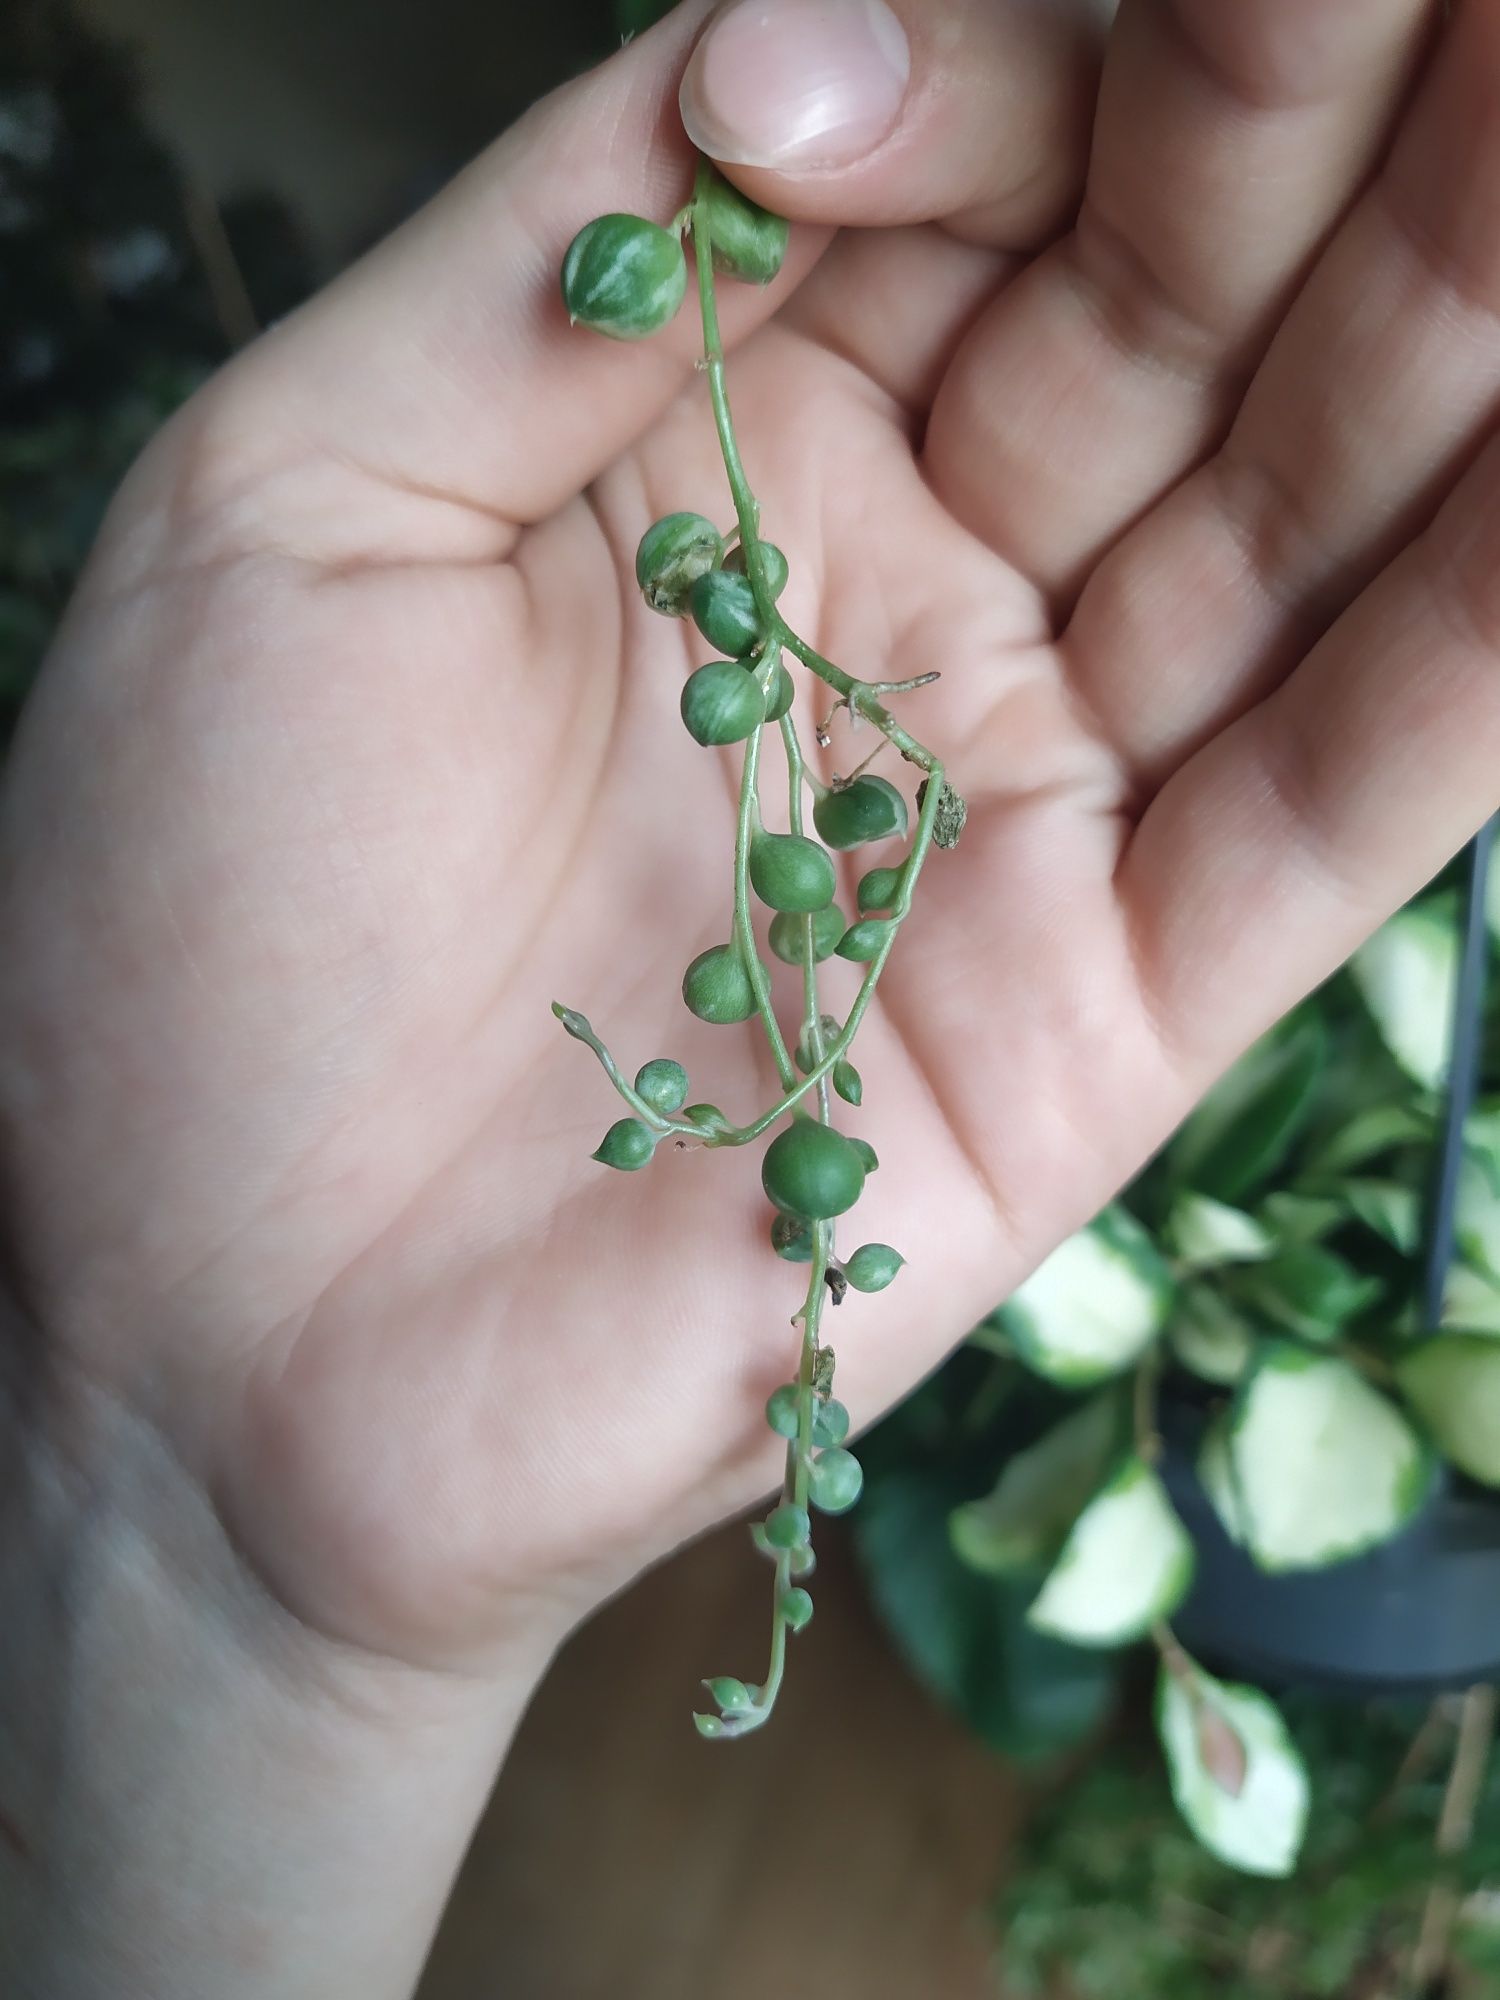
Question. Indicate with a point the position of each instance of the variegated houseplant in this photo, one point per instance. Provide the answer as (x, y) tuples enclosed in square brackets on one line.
[(1263, 1271)]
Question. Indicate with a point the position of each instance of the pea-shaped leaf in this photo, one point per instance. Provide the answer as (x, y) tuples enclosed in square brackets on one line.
[(1407, 974), (749, 242), (1325, 1466), (777, 568), (1453, 1384), (723, 608), (673, 553), (623, 276), (1126, 1565), (721, 703), (1237, 1776), (1093, 1306)]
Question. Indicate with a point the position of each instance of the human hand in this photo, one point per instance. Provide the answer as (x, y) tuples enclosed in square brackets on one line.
[(359, 747)]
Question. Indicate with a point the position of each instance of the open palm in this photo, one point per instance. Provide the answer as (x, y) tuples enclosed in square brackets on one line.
[(359, 748)]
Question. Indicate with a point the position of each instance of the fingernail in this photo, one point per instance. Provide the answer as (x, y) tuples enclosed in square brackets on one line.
[(796, 83)]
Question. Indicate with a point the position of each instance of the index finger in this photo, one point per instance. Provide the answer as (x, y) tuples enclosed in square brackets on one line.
[(442, 370)]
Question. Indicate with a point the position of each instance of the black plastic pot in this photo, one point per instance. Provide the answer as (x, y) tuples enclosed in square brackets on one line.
[(1418, 1614)]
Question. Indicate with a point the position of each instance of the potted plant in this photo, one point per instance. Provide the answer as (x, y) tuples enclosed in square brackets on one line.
[(1251, 1413)]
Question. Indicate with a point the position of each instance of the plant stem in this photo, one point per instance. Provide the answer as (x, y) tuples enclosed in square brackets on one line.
[(1471, 1752), (749, 815)]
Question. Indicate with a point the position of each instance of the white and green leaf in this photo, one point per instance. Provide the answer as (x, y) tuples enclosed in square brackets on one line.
[(1453, 1384), (1216, 1477), (1476, 1218), (1127, 1564), (1024, 1520), (1324, 1465), (1093, 1306), (1202, 1233), (1208, 1337), (1237, 1777), (1471, 1301), (1407, 975)]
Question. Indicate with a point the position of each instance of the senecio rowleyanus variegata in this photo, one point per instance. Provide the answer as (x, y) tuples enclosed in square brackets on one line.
[(626, 277)]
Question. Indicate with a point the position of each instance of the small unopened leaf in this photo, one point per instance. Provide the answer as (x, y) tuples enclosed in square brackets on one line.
[(1324, 1465), (1093, 1306), (1406, 975), (1242, 1131), (1236, 1774), (1453, 1384), (1208, 1337), (1203, 1233), (1127, 1564), (1023, 1522)]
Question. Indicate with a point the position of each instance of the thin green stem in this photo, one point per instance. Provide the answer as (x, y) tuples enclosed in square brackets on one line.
[(580, 1028), (797, 1477), (858, 698), (744, 931), (795, 1087)]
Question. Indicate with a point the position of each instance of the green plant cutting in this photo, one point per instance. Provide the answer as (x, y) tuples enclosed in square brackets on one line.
[(626, 277), (1268, 1257)]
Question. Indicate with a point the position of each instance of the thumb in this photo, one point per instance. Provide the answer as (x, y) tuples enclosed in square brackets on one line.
[(974, 112)]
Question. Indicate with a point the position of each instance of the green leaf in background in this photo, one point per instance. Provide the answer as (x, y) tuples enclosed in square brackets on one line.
[(1208, 1337), (1407, 975), (1305, 1290), (1324, 1465), (1471, 1301), (1110, 1897), (1453, 1384), (1378, 1129), (1237, 1776), (1022, 1523), (1394, 1212), (1216, 1476), (1093, 1306), (1126, 1565), (1302, 1218), (1482, 1142), (965, 1636), (1477, 1218), (1243, 1130), (1203, 1233)]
